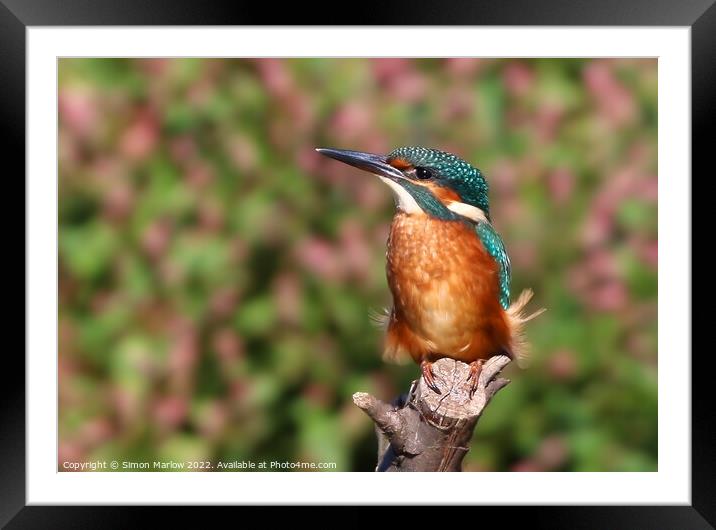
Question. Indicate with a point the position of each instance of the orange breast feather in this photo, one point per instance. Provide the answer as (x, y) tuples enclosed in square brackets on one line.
[(445, 293)]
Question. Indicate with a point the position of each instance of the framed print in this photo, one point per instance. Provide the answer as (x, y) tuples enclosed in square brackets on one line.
[(209, 253)]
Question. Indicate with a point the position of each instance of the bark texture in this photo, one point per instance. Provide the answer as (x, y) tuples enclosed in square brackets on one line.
[(427, 431)]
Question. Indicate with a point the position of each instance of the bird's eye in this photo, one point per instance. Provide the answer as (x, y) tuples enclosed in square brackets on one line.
[(423, 173)]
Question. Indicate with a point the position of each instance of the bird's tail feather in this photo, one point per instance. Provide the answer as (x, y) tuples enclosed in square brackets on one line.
[(380, 318), (516, 319)]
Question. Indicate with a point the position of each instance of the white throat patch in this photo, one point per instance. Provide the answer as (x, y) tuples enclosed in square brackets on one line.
[(405, 202), (403, 199)]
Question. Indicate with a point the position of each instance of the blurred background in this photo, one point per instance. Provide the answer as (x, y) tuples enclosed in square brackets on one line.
[(216, 275)]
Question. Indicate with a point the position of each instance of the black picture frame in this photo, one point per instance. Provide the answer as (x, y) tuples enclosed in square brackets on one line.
[(699, 15)]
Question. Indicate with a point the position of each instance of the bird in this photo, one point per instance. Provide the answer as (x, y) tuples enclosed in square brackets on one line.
[(447, 267)]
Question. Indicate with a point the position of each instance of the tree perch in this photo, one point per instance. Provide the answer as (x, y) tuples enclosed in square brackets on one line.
[(426, 431)]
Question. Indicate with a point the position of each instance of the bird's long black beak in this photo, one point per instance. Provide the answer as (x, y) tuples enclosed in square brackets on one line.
[(376, 164)]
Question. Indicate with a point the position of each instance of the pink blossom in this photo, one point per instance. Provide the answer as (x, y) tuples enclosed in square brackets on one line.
[(373, 195), (459, 103), (562, 365), (78, 110), (118, 201), (547, 121), (199, 175), (610, 296), (139, 140), (199, 93), (409, 87), (464, 66), (385, 69), (223, 302), (154, 66), (613, 100), (169, 412), (518, 78), (277, 79), (69, 452), (96, 431), (320, 257), (648, 188), (603, 263), (228, 345), (503, 176), (525, 256), (351, 121), (289, 297), (156, 237), (649, 252), (597, 227), (300, 109), (308, 160), (561, 185)]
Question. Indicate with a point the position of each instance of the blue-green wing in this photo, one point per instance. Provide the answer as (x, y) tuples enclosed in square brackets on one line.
[(494, 245)]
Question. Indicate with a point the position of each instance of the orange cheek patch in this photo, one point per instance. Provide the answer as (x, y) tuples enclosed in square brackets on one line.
[(443, 194), (400, 163)]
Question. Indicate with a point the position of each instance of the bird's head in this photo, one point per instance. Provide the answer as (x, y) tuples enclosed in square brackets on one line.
[(425, 181)]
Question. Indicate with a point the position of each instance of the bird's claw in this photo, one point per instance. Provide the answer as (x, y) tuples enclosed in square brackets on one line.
[(427, 370), (474, 376)]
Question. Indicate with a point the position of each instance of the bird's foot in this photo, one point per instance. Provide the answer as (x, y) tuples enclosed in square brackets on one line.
[(474, 375), (427, 369)]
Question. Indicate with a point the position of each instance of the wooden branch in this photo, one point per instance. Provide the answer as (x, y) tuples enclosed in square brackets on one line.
[(426, 431)]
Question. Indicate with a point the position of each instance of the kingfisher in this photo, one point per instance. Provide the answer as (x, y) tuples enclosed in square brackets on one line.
[(447, 267)]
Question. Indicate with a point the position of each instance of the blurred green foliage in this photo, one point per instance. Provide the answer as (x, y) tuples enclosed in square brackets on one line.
[(217, 275)]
